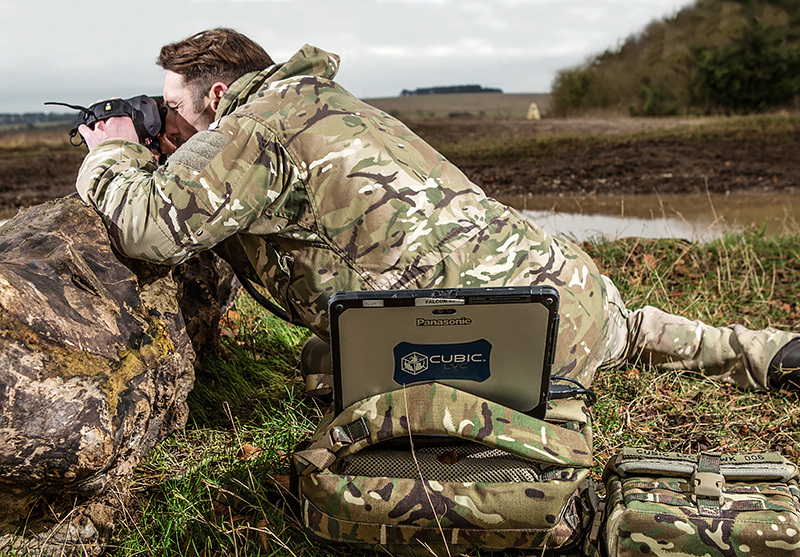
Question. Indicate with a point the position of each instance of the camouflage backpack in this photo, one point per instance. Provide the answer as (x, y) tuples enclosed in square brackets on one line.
[(428, 468)]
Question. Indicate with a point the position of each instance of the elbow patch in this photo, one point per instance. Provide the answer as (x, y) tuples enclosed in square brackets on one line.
[(198, 152)]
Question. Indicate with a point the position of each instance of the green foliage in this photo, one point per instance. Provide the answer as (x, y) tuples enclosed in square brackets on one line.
[(653, 102), (753, 74), (574, 87), (712, 56), (264, 353)]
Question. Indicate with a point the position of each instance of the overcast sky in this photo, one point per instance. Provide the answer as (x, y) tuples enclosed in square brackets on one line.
[(79, 50)]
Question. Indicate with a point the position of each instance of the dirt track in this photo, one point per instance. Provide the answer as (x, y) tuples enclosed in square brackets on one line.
[(34, 175)]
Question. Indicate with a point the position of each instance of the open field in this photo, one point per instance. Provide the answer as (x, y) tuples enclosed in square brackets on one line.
[(507, 156), (488, 105), (623, 155), (37, 164)]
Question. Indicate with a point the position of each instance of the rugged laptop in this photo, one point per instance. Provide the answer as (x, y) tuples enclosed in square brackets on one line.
[(497, 343)]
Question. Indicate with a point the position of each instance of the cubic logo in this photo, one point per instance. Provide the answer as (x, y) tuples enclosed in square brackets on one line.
[(414, 363), (465, 361)]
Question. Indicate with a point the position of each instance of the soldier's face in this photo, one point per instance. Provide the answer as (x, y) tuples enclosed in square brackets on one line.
[(183, 118)]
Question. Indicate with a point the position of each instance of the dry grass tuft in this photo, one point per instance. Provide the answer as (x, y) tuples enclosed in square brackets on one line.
[(34, 137)]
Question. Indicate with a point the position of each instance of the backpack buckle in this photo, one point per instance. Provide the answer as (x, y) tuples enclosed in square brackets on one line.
[(349, 433), (707, 485)]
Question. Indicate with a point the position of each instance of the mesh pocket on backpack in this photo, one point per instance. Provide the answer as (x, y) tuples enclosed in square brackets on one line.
[(459, 462)]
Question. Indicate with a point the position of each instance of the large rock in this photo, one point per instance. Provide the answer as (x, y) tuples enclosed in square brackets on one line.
[(95, 368)]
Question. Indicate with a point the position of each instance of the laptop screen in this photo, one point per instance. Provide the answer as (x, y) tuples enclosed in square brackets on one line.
[(497, 343)]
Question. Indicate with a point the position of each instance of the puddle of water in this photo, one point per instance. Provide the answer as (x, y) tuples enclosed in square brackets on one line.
[(696, 218)]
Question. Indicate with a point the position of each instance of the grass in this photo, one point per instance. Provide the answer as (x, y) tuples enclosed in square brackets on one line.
[(216, 488), (212, 488), (489, 105), (34, 137), (749, 279)]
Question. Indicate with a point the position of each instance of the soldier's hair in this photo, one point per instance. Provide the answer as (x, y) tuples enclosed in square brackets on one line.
[(220, 54)]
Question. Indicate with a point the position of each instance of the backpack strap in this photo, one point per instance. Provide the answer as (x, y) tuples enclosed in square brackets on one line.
[(707, 484), (433, 408)]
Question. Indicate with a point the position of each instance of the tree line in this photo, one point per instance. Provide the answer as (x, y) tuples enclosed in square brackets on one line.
[(715, 56), (31, 118)]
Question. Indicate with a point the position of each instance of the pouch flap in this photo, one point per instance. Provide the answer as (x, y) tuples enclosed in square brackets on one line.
[(436, 409), (633, 461)]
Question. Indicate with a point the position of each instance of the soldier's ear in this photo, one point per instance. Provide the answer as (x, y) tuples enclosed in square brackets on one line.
[(215, 92)]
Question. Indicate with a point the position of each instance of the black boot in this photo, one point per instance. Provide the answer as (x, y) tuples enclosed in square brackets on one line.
[(784, 369)]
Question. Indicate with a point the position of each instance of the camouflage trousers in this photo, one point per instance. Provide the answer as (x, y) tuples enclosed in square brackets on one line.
[(732, 354)]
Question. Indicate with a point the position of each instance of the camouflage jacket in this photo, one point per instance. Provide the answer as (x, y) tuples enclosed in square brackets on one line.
[(309, 190)]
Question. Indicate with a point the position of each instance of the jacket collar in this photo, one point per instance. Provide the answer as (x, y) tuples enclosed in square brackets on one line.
[(308, 61)]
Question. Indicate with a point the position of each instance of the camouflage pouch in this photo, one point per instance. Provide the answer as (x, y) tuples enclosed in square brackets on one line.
[(428, 468), (672, 504)]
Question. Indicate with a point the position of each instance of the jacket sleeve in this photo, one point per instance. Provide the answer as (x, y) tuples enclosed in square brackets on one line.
[(214, 185)]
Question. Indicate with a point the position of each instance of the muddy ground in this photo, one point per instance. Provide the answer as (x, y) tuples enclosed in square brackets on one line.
[(676, 165)]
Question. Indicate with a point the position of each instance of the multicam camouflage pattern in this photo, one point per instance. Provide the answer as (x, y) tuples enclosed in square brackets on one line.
[(399, 512), (655, 513), (405, 539), (309, 191)]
